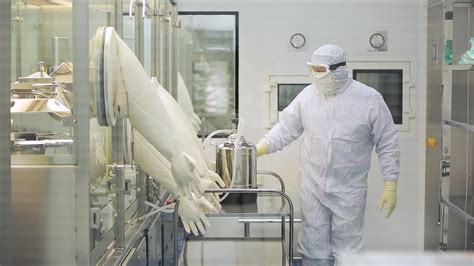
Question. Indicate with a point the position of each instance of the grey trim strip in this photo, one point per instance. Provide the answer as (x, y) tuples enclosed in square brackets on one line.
[(81, 128), (5, 173)]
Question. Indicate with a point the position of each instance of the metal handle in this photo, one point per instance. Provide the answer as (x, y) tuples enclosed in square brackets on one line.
[(95, 218), (278, 177)]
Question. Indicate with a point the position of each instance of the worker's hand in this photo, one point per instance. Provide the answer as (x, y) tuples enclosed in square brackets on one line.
[(389, 197), (262, 148), (192, 214), (183, 169)]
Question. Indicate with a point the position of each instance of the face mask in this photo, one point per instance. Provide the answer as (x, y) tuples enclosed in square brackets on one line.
[(326, 84)]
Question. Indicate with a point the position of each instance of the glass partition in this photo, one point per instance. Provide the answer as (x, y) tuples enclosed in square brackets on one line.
[(208, 63), (41, 89)]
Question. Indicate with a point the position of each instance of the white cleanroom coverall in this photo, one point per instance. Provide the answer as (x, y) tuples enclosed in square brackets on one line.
[(340, 132)]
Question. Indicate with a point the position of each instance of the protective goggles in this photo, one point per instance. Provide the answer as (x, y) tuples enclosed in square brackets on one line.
[(321, 69)]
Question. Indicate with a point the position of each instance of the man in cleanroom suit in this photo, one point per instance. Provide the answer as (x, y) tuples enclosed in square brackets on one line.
[(342, 121)]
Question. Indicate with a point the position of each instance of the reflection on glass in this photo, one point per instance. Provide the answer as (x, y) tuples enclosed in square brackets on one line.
[(389, 83), (287, 93), (207, 63)]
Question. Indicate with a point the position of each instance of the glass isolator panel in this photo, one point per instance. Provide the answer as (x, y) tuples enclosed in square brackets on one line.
[(287, 93), (208, 65), (41, 84), (389, 82)]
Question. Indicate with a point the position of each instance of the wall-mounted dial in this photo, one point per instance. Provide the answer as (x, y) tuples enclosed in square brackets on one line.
[(297, 40), (377, 41)]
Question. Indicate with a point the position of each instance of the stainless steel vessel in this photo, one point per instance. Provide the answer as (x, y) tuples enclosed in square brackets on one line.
[(245, 162)]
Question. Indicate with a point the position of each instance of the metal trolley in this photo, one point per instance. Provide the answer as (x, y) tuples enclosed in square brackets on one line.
[(246, 215)]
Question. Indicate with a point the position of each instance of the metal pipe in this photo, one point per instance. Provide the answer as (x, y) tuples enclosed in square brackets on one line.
[(156, 40), (173, 39), (266, 220), (164, 33), (468, 218), (120, 208), (118, 160), (141, 191), (175, 227), (18, 19), (278, 177), (118, 12), (139, 32)]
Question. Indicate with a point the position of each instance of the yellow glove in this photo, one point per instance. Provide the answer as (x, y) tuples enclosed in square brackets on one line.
[(389, 197), (262, 149)]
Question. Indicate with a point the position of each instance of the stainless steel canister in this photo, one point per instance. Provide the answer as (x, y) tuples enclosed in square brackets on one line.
[(245, 163)]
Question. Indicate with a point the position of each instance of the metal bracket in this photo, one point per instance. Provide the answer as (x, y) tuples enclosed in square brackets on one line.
[(145, 8), (159, 12), (95, 218), (128, 187)]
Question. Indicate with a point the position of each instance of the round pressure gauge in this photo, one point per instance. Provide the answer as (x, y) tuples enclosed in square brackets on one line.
[(297, 40), (377, 40)]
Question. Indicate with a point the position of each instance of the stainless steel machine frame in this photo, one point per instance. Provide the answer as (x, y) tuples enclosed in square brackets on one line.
[(5, 175), (45, 216)]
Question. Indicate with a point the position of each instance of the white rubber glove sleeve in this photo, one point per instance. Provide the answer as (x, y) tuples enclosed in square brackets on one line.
[(192, 214), (153, 162), (149, 114)]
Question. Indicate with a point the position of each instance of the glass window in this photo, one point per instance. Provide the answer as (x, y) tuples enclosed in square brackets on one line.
[(287, 93), (41, 88), (389, 82), (208, 60)]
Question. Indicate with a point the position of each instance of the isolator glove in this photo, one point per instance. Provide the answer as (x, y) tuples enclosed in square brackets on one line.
[(262, 148), (183, 169), (211, 197), (189, 178), (389, 197), (192, 214)]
